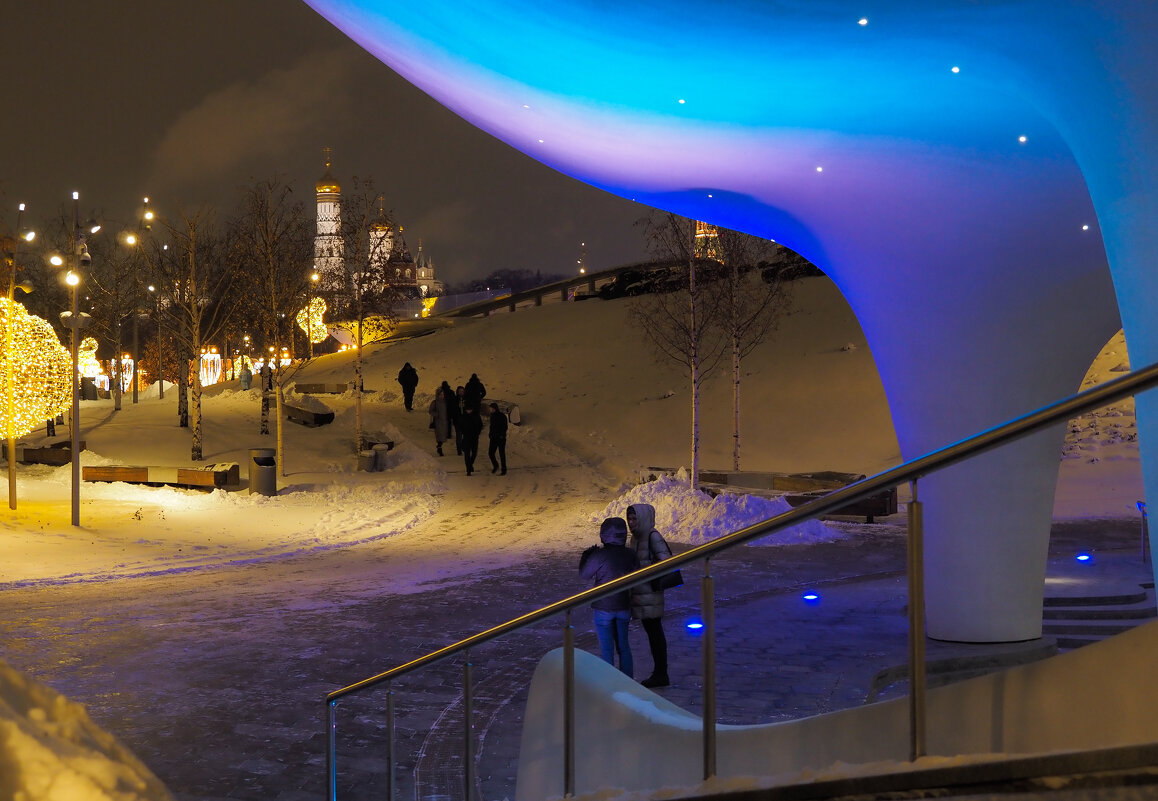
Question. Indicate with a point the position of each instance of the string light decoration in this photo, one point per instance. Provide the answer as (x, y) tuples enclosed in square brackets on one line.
[(210, 367), (41, 367), (89, 365), (127, 367), (309, 320)]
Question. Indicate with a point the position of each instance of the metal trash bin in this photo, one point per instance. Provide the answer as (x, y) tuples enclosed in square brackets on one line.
[(366, 461), (263, 471), (381, 459)]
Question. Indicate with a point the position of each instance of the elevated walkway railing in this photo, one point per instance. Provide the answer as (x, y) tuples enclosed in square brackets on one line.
[(908, 472)]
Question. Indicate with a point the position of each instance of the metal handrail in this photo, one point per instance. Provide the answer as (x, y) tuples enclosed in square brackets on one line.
[(1129, 384)]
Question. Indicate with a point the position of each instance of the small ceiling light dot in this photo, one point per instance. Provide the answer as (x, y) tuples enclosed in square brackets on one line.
[(862, 21), (525, 106), (1085, 227), (540, 141), (954, 70), (682, 101), (709, 194), (1023, 139), (820, 169)]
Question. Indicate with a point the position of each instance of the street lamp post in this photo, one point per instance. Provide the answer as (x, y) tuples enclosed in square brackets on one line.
[(10, 260), (74, 320), (146, 225)]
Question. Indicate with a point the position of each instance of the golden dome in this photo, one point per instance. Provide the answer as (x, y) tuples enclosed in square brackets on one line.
[(327, 185)]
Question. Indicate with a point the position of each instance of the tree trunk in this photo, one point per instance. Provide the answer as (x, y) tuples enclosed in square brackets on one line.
[(116, 371), (183, 391), (734, 311), (360, 440), (197, 449), (197, 431), (280, 419), (694, 361)]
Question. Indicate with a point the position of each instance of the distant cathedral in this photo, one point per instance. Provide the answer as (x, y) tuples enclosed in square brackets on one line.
[(411, 275)]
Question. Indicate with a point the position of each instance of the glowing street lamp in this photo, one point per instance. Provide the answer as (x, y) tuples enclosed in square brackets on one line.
[(9, 247), (75, 320)]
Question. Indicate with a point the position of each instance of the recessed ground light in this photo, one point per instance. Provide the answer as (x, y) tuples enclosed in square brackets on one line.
[(955, 69), (862, 21), (1023, 139)]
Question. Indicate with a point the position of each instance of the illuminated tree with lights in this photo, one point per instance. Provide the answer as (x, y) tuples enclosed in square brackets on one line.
[(309, 319), (41, 370)]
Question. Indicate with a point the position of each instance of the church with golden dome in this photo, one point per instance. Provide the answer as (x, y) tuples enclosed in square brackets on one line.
[(411, 275)]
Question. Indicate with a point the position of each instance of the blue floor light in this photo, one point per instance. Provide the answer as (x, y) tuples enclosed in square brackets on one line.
[(811, 598), (1084, 557)]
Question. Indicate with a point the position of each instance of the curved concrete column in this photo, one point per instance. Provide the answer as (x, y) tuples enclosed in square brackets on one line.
[(927, 157)]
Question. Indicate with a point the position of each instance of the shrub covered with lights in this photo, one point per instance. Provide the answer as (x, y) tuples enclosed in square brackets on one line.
[(310, 319), (40, 368), (374, 329)]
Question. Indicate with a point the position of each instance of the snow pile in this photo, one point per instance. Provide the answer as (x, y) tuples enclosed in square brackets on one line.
[(51, 751), (694, 517)]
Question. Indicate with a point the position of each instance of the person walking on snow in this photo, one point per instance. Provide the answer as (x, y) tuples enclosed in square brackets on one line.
[(475, 391), (440, 419), (498, 437), (646, 603), (472, 426), (408, 378), (613, 613)]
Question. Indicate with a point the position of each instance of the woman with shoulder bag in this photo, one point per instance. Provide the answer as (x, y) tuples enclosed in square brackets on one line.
[(647, 603)]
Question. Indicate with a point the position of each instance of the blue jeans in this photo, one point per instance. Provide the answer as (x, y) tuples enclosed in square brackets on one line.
[(612, 630)]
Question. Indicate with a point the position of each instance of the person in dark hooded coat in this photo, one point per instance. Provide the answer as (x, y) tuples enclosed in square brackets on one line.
[(475, 391), (613, 613), (408, 378)]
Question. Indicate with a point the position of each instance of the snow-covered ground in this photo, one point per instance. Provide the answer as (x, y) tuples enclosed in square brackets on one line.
[(596, 407)]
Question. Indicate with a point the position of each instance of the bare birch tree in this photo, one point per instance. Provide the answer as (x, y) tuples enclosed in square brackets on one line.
[(755, 303), (271, 250), (363, 287), (193, 278), (682, 325), (115, 296)]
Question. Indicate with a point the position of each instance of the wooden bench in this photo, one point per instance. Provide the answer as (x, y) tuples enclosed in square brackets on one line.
[(882, 504), (321, 389), (213, 476), (308, 418), (796, 488), (56, 454), (511, 410)]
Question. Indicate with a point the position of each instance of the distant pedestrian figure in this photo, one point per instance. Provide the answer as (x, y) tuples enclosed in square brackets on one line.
[(472, 426), (408, 378), (458, 405), (498, 436), (475, 391), (245, 376), (266, 378), (647, 604), (613, 613), (439, 419)]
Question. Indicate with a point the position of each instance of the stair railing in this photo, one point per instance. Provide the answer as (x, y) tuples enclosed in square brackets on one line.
[(907, 472)]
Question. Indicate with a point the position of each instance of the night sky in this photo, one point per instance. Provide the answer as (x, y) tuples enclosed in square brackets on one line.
[(189, 102)]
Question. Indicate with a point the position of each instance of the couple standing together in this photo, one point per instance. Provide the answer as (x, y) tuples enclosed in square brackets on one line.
[(615, 558)]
